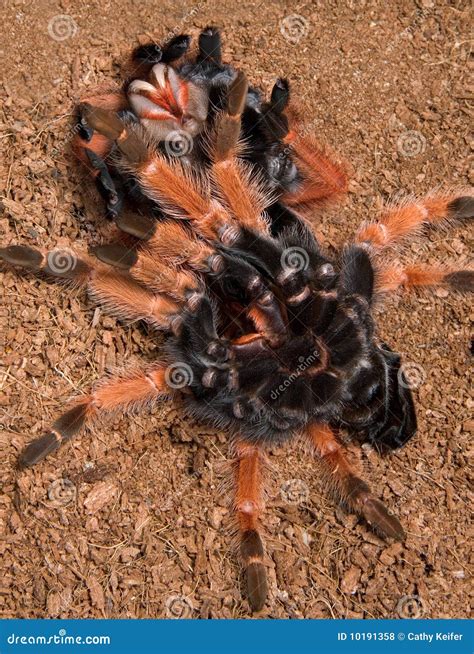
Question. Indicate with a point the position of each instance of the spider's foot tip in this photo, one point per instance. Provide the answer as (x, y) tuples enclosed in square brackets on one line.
[(280, 94), (21, 255), (176, 47), (210, 30), (377, 515), (182, 39), (115, 255), (149, 53), (102, 120), (85, 132), (257, 588), (461, 280), (282, 83), (251, 549), (462, 208), (136, 225), (37, 450)]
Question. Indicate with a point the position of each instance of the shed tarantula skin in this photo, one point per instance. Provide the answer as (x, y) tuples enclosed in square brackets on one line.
[(176, 99), (268, 337)]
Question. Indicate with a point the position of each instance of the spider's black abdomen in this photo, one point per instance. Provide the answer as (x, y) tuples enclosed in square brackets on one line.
[(325, 365)]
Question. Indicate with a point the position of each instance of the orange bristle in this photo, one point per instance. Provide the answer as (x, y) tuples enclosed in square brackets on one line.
[(244, 199), (325, 178), (168, 183), (399, 221), (161, 277), (99, 144), (128, 300), (248, 500), (173, 243), (129, 390), (390, 278)]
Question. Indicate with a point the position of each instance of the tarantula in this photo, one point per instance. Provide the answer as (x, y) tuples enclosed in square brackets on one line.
[(176, 101), (267, 337)]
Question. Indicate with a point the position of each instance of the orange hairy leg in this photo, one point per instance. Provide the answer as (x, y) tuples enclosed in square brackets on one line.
[(325, 176), (116, 292), (392, 277), (121, 393), (349, 488), (249, 506), (399, 221)]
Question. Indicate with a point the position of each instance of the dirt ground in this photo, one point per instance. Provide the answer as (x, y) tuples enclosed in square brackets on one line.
[(129, 521)]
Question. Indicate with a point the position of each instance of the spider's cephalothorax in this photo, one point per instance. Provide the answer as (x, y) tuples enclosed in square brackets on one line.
[(174, 99), (322, 362), (267, 336)]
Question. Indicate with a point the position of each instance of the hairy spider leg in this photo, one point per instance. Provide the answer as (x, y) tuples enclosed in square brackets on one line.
[(93, 149), (399, 221), (117, 293), (390, 278), (324, 178), (349, 488), (249, 507), (124, 392)]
